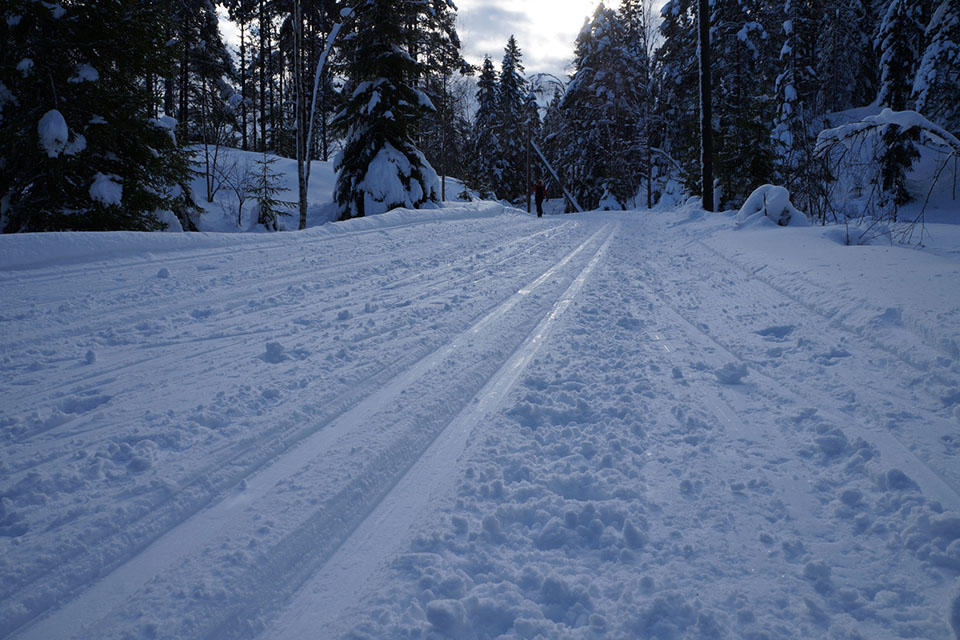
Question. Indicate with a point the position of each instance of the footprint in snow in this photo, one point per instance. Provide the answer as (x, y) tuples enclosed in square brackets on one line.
[(731, 373)]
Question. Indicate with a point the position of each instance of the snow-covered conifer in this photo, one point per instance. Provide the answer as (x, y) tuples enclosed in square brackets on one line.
[(897, 45), (379, 167), (512, 123), (841, 57), (487, 155), (602, 112), (936, 88), (81, 149), (743, 149), (678, 87)]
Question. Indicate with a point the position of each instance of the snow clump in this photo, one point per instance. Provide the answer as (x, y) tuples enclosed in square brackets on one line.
[(53, 133), (106, 188), (771, 201), (85, 73), (25, 67)]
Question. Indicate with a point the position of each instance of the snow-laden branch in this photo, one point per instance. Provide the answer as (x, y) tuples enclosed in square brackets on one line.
[(904, 121)]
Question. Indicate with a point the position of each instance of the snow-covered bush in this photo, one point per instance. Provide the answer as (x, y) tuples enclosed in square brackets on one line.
[(871, 161), (773, 202)]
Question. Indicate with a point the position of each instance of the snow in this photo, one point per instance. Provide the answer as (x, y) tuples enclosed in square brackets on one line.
[(53, 132), (85, 73), (389, 182), (770, 203), (469, 422), (25, 67), (106, 189)]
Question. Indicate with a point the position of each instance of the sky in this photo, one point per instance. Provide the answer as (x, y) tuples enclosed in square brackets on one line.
[(546, 30)]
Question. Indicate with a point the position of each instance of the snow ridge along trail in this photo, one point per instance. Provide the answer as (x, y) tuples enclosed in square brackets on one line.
[(364, 470), (340, 583)]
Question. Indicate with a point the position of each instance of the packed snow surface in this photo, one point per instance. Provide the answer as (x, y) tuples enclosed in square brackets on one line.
[(473, 423)]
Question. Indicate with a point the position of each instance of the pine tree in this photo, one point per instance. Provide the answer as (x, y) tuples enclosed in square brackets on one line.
[(841, 63), (936, 88), (379, 167), (896, 43), (603, 109), (678, 93), (81, 150), (743, 148), (487, 167), (513, 94)]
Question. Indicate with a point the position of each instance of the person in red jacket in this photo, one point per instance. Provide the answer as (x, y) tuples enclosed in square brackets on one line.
[(539, 194)]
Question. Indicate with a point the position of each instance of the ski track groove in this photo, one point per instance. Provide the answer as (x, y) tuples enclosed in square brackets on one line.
[(35, 625), (201, 477), (948, 492), (271, 319), (261, 284), (835, 322), (338, 579)]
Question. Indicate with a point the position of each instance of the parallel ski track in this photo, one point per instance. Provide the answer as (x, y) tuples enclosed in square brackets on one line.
[(171, 535), (264, 321), (341, 576), (934, 482), (812, 308), (199, 296), (229, 462)]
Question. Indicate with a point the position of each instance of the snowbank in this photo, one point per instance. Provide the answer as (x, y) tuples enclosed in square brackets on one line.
[(23, 250)]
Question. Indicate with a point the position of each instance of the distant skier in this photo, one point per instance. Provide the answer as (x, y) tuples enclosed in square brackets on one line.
[(540, 194)]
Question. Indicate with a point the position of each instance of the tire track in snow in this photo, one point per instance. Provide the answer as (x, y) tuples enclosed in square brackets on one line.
[(340, 582), (342, 512)]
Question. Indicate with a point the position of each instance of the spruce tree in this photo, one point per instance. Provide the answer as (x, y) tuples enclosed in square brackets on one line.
[(896, 43), (841, 62), (380, 168), (512, 126), (603, 109), (635, 19), (81, 149), (796, 90), (487, 155), (678, 82), (936, 88), (742, 112), (266, 188)]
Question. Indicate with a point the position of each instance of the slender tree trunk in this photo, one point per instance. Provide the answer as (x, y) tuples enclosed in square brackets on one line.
[(185, 80), (243, 82), (301, 112), (208, 171), (706, 112), (263, 78)]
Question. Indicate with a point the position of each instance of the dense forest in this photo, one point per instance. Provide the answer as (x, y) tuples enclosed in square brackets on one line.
[(107, 107)]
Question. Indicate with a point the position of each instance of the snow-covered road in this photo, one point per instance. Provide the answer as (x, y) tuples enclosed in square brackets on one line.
[(476, 423)]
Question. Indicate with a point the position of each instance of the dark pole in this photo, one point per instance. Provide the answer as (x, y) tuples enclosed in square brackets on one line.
[(706, 116)]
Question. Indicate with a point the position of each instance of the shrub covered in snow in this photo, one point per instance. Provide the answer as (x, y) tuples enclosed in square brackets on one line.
[(773, 202)]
